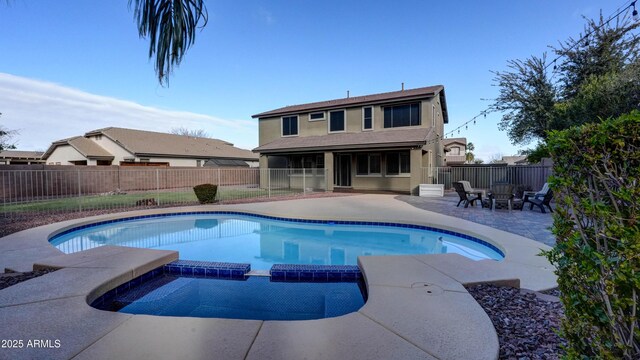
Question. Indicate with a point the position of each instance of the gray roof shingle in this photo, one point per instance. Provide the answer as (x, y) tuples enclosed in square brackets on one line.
[(140, 142), (450, 141), (20, 154), (428, 91)]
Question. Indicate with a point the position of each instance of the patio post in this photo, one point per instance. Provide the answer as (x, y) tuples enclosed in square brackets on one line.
[(269, 181), (79, 192)]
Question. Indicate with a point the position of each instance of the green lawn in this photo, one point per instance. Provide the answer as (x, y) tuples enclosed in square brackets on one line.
[(95, 202)]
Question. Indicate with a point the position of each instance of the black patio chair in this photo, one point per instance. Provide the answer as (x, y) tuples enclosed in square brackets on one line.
[(540, 202), (464, 197)]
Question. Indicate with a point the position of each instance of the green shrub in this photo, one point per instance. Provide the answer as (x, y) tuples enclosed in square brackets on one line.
[(206, 193), (597, 254)]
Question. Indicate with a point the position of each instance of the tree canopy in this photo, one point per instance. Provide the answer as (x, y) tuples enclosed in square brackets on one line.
[(595, 76), (5, 138), (189, 132)]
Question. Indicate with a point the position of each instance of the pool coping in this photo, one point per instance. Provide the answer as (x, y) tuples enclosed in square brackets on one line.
[(404, 292)]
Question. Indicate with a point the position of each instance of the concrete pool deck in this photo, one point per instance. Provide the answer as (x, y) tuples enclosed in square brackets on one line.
[(417, 306)]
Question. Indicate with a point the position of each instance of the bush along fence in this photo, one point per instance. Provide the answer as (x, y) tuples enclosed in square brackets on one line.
[(72, 188), (597, 256)]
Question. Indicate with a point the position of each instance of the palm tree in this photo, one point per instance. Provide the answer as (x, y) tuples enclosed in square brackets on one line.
[(171, 26), (469, 156)]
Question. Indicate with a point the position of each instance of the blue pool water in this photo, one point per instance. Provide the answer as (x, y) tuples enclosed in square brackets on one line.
[(255, 298), (263, 242)]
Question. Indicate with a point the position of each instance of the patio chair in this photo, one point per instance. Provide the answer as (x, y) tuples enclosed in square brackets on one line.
[(542, 192), (545, 200), (464, 197), (471, 191), (501, 193), (467, 186)]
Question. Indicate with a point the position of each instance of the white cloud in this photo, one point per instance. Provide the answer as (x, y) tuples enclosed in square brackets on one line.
[(43, 112)]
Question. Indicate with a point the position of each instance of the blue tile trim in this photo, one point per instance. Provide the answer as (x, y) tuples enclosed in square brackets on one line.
[(217, 270), (211, 270), (305, 221), (315, 273)]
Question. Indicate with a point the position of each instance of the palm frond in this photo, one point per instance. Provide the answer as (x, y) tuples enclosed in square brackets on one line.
[(171, 27)]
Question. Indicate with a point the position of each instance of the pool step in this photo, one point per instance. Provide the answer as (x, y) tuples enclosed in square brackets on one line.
[(315, 273), (214, 270), (258, 273)]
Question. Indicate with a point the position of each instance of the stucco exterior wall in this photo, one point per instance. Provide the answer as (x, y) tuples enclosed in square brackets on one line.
[(270, 129), (63, 155), (118, 152)]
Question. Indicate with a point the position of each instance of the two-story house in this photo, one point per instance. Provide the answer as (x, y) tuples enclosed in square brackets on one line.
[(455, 150), (377, 142)]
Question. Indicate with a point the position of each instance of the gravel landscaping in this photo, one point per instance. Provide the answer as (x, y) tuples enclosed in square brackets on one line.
[(526, 322), (8, 279)]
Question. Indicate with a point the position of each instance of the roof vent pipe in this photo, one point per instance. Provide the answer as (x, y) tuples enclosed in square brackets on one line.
[(347, 94), (402, 86)]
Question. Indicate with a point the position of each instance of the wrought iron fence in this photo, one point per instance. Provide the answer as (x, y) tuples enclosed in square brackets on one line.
[(482, 177), (95, 188)]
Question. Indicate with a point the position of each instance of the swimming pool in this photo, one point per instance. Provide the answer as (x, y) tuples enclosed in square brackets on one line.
[(263, 241)]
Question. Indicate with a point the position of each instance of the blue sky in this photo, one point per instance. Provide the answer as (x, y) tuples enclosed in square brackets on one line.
[(70, 67)]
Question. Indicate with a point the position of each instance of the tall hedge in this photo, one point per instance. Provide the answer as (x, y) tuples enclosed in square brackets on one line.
[(597, 254)]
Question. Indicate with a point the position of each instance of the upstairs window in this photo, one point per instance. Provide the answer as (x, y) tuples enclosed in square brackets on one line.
[(455, 151), (337, 121), (316, 116), (398, 163), (367, 118), (290, 125), (402, 115)]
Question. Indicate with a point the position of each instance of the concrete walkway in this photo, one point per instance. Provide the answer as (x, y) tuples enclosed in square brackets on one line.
[(417, 306)]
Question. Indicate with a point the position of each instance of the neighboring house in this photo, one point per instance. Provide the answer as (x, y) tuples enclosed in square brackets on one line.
[(128, 147), (455, 150), (372, 142), (514, 160), (17, 157)]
